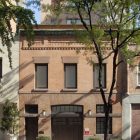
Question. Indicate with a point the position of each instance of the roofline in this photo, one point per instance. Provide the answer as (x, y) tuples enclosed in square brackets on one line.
[(58, 27)]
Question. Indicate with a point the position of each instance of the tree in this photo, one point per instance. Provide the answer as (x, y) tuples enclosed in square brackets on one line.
[(117, 23), (24, 18), (10, 118)]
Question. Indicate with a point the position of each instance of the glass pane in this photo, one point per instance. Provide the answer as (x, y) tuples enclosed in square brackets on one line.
[(96, 76), (138, 78), (100, 123), (41, 76), (70, 76), (139, 68), (0, 67), (31, 108), (67, 108), (100, 109)]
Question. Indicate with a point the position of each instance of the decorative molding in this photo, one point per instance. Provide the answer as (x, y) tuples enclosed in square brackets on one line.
[(41, 59), (69, 59), (62, 48)]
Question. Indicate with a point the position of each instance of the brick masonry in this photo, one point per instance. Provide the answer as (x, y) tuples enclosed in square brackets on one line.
[(62, 47)]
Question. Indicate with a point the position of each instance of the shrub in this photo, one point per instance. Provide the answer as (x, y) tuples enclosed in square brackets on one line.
[(43, 138), (10, 118), (93, 138)]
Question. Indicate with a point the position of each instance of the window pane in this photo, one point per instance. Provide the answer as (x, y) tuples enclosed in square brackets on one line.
[(41, 76), (138, 78), (96, 76), (70, 76), (100, 124), (101, 109), (31, 108), (0, 67)]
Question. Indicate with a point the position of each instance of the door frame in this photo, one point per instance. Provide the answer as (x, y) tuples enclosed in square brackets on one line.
[(65, 113)]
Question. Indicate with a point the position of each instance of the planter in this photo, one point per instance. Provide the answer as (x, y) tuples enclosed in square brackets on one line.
[(43, 138), (12, 137)]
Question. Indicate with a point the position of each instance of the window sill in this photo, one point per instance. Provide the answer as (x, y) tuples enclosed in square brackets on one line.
[(138, 87), (40, 90), (98, 90), (69, 90)]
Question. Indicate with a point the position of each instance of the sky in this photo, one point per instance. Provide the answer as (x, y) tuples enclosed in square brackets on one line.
[(37, 12)]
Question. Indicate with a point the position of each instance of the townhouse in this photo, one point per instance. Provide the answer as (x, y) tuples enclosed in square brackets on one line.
[(9, 79), (131, 102), (58, 90)]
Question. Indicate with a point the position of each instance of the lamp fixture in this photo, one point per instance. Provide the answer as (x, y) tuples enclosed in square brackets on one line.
[(44, 113), (89, 112)]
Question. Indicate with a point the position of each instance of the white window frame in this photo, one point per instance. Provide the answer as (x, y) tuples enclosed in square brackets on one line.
[(138, 73), (65, 79), (41, 88), (96, 80)]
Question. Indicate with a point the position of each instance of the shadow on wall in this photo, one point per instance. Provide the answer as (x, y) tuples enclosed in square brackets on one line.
[(136, 135), (10, 83), (117, 135), (9, 86)]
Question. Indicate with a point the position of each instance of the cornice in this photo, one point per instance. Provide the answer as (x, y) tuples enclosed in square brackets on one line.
[(62, 48)]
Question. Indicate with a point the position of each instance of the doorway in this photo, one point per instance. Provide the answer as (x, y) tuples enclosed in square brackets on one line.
[(67, 122), (31, 123)]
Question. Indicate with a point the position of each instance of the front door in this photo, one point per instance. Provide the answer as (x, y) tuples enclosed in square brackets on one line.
[(69, 128), (31, 128), (135, 122), (67, 124), (31, 123)]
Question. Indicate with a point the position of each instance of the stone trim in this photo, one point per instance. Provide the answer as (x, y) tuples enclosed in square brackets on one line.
[(126, 114), (41, 59), (69, 59), (62, 48)]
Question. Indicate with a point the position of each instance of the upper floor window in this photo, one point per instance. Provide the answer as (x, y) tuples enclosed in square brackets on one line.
[(96, 76), (138, 75), (70, 21), (41, 75), (70, 71), (0, 68)]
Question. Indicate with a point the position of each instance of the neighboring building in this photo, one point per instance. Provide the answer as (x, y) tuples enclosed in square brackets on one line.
[(9, 78), (58, 94), (131, 103), (64, 18)]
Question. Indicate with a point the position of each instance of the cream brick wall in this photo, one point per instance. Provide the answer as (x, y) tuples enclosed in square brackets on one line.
[(58, 47), (10, 77)]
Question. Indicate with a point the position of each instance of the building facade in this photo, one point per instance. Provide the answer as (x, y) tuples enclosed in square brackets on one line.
[(131, 103), (9, 78), (58, 91)]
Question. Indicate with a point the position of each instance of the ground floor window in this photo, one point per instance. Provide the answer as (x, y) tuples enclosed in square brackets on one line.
[(100, 121), (100, 124)]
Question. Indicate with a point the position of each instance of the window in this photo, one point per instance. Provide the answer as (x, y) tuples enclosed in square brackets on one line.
[(31, 108), (100, 108), (67, 108), (100, 121), (0, 68), (96, 75), (70, 71), (77, 21), (138, 75), (41, 73)]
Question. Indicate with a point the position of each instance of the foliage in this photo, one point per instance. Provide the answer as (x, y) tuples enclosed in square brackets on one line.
[(93, 138), (43, 138), (9, 120), (24, 18), (117, 23)]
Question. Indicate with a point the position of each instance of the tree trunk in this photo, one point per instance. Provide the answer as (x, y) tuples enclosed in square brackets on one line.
[(106, 128)]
